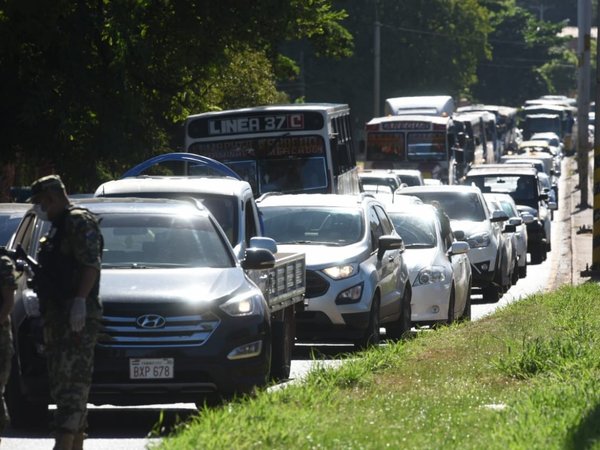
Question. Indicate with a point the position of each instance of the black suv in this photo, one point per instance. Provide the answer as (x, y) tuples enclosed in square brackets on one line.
[(522, 184), (181, 320)]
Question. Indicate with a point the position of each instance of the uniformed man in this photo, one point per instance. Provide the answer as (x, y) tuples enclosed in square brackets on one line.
[(67, 285), (7, 300)]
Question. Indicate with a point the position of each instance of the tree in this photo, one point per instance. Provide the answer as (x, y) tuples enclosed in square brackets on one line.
[(522, 46), (91, 87), (427, 47)]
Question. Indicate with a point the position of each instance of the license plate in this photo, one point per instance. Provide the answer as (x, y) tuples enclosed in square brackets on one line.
[(151, 369)]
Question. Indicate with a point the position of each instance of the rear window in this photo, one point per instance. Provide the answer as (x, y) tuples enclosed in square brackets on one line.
[(457, 205)]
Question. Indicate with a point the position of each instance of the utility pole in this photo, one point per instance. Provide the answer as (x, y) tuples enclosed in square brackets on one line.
[(584, 12), (596, 193), (377, 64)]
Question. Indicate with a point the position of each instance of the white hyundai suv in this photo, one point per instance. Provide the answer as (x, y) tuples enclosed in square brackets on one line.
[(472, 221), (356, 278)]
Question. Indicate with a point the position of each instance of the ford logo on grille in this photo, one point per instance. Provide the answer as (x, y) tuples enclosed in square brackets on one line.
[(151, 321)]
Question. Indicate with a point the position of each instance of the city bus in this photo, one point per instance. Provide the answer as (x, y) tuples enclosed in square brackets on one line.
[(281, 148), (423, 142)]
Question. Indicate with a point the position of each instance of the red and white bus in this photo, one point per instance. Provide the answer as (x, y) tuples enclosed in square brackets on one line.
[(282, 148), (424, 142)]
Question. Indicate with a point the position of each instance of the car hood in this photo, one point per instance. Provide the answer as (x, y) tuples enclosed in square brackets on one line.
[(469, 227), (320, 256), (417, 259), (157, 285)]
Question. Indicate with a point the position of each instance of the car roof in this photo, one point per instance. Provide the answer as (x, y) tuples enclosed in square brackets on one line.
[(412, 190), (410, 208), (327, 200), (502, 169), (14, 207), (549, 134), (183, 184), (381, 173), (534, 143), (134, 205)]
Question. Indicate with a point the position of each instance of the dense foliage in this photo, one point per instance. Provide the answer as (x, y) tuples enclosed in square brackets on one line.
[(90, 87)]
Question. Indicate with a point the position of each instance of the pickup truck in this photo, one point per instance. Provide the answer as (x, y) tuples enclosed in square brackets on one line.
[(231, 202)]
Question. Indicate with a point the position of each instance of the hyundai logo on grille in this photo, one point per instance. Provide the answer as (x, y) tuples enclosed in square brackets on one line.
[(151, 321)]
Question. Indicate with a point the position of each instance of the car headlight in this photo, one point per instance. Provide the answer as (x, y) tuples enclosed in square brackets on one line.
[(430, 275), (246, 304), (341, 272), (479, 240)]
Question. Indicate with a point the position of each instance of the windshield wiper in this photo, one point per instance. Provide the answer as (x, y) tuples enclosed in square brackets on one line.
[(418, 245)]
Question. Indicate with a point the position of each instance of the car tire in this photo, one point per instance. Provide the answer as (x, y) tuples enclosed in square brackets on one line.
[(523, 271), (370, 337), (538, 255), (401, 328), (491, 294), (284, 334), (515, 273), (24, 414), (451, 306), (466, 315)]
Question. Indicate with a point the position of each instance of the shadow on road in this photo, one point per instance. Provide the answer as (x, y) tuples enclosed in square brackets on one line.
[(309, 351), (119, 422)]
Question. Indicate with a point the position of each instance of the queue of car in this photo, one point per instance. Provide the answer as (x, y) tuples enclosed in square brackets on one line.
[(206, 289)]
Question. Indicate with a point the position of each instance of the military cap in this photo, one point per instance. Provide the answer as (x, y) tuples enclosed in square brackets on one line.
[(45, 184)]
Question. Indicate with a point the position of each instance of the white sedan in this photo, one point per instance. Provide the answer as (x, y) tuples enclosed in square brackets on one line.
[(438, 266)]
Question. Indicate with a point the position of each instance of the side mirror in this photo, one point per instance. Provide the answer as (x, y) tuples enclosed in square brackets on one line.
[(508, 228), (389, 242), (543, 196), (516, 221), (552, 206), (257, 259), (527, 218), (458, 248), (499, 216), (264, 242), (459, 235)]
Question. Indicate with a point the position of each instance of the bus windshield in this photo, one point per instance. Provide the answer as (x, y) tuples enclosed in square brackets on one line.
[(426, 146), (276, 163)]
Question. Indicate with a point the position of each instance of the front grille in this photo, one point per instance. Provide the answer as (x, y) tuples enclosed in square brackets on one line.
[(316, 285), (124, 330)]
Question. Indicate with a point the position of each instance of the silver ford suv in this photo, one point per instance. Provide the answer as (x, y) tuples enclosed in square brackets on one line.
[(356, 279)]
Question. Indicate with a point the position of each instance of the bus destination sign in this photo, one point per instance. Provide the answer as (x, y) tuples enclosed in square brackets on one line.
[(268, 121), (405, 125)]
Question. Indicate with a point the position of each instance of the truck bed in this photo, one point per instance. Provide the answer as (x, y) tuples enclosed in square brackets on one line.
[(284, 284)]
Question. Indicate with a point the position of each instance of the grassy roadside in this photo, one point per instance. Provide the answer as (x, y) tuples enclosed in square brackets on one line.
[(527, 377)]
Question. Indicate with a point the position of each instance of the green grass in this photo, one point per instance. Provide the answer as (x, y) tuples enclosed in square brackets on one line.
[(527, 377)]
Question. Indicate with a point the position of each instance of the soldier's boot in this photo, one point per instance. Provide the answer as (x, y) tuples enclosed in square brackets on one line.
[(64, 441), (78, 441)]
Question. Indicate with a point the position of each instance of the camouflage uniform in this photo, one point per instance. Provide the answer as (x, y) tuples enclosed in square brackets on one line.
[(70, 355), (7, 278)]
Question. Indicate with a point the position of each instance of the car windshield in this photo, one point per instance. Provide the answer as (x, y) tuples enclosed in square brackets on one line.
[(161, 241), (416, 231), (457, 205), (8, 225), (313, 225)]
